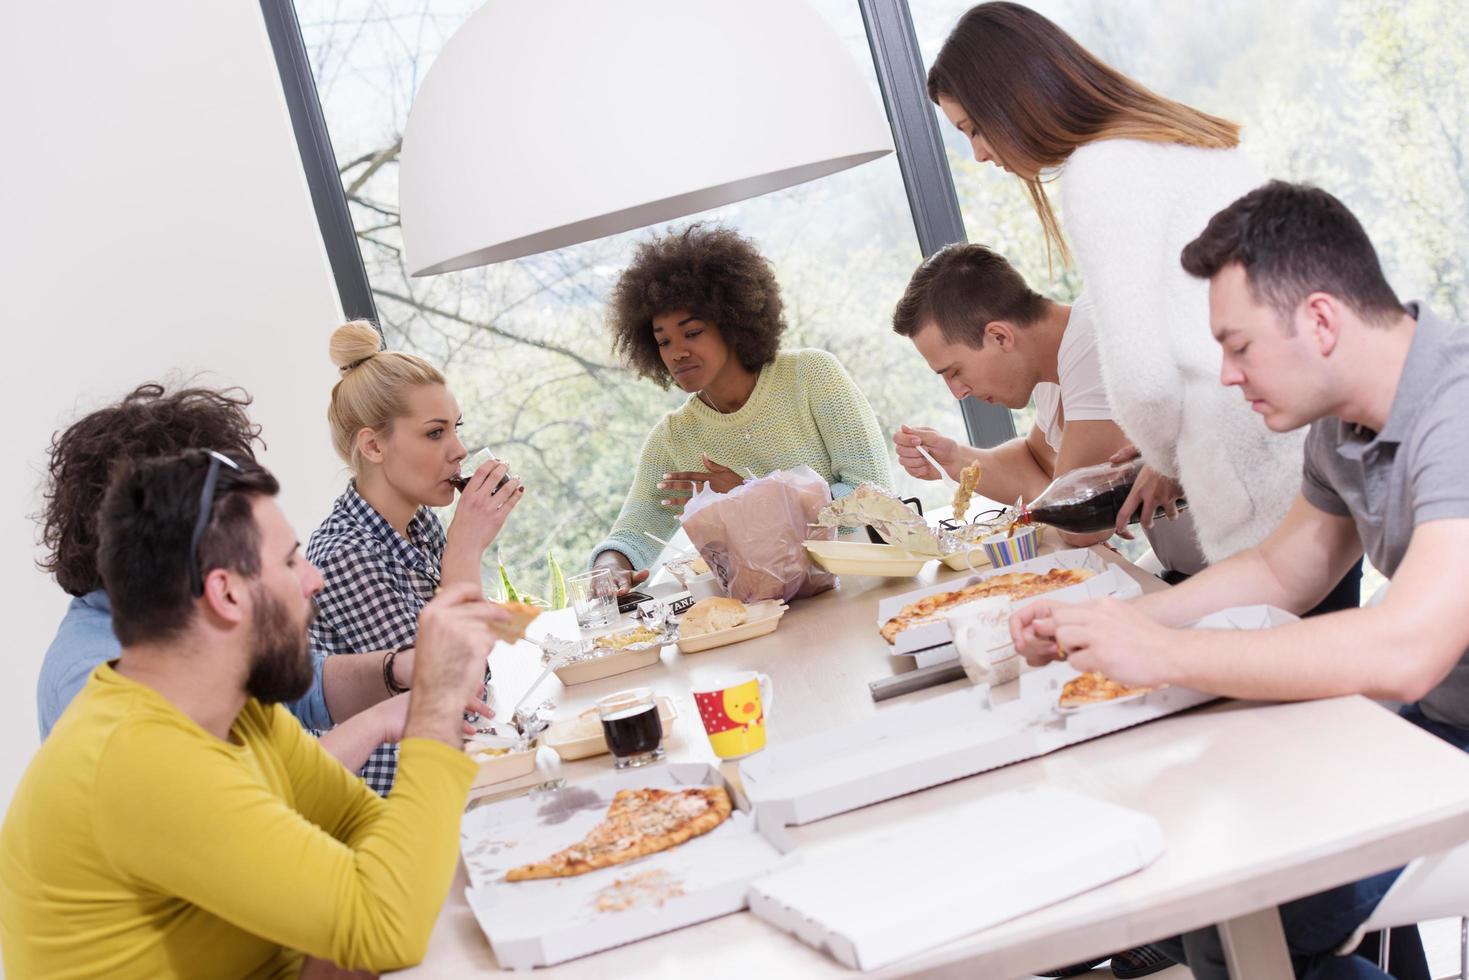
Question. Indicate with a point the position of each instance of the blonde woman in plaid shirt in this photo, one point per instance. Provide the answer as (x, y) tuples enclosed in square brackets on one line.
[(382, 551)]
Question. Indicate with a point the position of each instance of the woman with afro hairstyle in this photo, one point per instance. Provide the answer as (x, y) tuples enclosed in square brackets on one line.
[(701, 309)]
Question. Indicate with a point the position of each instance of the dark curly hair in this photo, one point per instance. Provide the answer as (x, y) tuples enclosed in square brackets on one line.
[(713, 274), (149, 422)]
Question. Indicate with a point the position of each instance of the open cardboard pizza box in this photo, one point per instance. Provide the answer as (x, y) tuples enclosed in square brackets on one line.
[(930, 644), (938, 885), (906, 748), (539, 923)]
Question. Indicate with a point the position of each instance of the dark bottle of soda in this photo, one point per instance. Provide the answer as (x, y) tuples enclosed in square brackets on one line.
[(1088, 499)]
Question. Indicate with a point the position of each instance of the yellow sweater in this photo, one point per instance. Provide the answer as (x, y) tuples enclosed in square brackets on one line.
[(139, 845), (805, 409)]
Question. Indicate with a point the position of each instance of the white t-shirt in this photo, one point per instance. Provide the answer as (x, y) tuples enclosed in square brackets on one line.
[(1081, 391)]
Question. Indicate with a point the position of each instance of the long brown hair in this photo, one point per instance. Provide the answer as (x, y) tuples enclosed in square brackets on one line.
[(1035, 95)]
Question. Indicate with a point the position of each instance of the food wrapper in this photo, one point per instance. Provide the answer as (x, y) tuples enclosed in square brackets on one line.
[(752, 537), (866, 505)]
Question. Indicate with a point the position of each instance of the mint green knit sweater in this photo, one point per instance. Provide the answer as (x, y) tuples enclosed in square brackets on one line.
[(805, 409)]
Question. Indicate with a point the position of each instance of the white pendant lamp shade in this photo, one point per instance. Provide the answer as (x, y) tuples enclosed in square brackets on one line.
[(544, 123)]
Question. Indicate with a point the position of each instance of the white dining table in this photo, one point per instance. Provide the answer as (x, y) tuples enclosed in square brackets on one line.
[(1258, 803)]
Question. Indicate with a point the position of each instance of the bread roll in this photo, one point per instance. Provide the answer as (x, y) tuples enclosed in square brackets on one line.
[(711, 615)]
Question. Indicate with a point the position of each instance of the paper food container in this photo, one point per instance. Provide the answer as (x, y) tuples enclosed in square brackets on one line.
[(865, 558), (971, 558), (595, 665), (943, 884), (539, 923), (930, 643), (762, 618), (572, 742), (499, 768)]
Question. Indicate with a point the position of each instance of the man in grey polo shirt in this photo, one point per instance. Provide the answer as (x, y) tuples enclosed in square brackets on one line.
[(1312, 334)]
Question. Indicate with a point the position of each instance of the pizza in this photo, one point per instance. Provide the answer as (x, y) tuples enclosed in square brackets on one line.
[(521, 615), (1016, 585), (1094, 688), (639, 822), (968, 482)]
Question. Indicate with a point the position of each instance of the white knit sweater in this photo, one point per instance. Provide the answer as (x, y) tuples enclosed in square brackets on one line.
[(1129, 208)]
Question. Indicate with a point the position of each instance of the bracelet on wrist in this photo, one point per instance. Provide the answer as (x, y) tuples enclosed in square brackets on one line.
[(389, 681)]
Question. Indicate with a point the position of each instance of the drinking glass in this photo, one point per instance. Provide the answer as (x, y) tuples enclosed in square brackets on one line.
[(472, 462), (593, 595), (632, 728)]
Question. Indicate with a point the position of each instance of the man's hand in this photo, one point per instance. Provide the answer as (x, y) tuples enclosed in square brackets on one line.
[(454, 639), (1151, 491), (944, 450), (1034, 633), (1108, 636), (682, 485)]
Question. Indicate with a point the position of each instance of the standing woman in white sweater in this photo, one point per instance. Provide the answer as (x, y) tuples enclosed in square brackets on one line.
[(1142, 176)]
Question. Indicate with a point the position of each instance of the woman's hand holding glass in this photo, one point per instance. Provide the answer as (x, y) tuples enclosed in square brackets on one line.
[(682, 485), (485, 504)]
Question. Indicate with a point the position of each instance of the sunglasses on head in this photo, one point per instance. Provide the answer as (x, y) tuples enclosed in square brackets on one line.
[(206, 511)]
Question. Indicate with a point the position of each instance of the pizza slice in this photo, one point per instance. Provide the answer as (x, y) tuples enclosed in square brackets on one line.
[(1095, 688), (639, 822), (1016, 585), (521, 615)]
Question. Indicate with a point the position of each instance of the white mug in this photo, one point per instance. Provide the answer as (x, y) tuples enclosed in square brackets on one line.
[(981, 633)]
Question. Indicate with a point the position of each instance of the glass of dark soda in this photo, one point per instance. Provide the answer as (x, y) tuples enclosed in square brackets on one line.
[(632, 728)]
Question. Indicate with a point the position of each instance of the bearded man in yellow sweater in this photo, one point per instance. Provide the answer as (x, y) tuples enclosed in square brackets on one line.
[(178, 822)]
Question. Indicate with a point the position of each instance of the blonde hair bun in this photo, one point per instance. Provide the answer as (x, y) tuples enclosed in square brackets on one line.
[(352, 343), (373, 389)]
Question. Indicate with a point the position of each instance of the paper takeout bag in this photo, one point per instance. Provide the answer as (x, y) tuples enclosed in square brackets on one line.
[(753, 537)]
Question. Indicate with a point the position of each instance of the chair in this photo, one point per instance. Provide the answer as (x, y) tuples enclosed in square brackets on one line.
[(1434, 887)]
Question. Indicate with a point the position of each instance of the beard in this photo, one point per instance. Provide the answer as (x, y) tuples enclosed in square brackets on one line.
[(280, 660)]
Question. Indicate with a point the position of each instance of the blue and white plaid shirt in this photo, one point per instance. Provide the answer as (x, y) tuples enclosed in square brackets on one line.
[(376, 582)]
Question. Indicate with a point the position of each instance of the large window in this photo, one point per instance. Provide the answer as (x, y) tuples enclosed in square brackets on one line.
[(523, 342), (1366, 98)]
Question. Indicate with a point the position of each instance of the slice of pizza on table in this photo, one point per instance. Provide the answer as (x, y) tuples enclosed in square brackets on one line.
[(1095, 688), (638, 823)]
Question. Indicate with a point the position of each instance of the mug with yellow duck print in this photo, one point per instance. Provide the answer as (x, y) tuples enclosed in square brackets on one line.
[(733, 712)]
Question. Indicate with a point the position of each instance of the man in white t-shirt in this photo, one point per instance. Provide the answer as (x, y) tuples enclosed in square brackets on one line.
[(989, 335)]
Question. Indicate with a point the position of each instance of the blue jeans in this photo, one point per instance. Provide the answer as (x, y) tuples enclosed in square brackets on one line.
[(1315, 926)]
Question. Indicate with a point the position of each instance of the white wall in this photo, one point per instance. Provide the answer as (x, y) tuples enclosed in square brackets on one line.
[(156, 221)]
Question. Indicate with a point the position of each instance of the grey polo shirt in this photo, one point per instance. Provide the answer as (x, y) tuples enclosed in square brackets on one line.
[(1414, 471)]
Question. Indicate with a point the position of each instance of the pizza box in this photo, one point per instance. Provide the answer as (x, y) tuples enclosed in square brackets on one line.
[(540, 923), (902, 750), (947, 887), (572, 742), (907, 748), (930, 644)]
